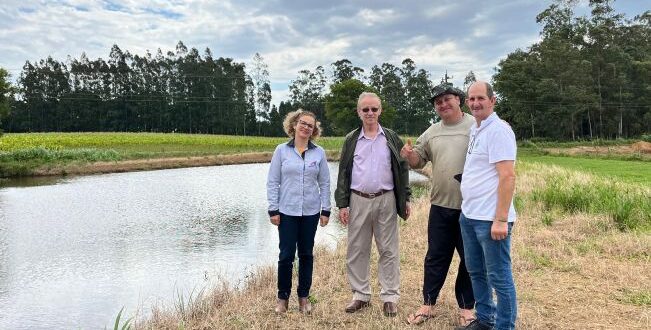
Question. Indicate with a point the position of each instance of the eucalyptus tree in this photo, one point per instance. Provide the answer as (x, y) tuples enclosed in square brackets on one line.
[(6, 93), (343, 69), (417, 113), (468, 80), (259, 74), (307, 91)]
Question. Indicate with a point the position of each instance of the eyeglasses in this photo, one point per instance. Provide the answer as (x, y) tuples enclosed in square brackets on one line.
[(372, 109), (306, 125)]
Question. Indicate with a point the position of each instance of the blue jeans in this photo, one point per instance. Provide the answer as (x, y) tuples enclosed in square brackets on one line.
[(489, 264), (296, 232)]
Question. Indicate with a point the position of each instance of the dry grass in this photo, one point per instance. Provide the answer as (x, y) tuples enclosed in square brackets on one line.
[(640, 148), (576, 272)]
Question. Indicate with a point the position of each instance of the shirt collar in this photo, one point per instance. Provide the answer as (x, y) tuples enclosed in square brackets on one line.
[(310, 145), (484, 123), (362, 136)]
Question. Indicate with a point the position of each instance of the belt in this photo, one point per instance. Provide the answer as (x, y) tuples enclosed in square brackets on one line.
[(370, 195)]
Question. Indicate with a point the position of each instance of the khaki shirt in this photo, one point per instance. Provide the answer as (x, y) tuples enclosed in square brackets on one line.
[(445, 146)]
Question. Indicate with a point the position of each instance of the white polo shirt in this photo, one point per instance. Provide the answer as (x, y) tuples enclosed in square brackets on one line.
[(493, 141)]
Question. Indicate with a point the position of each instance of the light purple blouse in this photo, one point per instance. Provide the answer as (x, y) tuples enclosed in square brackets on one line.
[(372, 164)]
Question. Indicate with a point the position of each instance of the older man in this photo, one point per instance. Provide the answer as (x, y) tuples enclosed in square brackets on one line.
[(444, 144), (372, 189), (487, 212)]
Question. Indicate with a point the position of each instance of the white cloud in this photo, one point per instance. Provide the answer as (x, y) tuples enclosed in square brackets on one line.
[(285, 63), (437, 10), (291, 35), (370, 17)]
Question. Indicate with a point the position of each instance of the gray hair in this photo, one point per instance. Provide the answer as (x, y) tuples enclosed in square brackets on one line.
[(368, 94)]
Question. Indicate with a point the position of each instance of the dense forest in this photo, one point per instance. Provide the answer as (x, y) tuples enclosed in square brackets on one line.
[(588, 77)]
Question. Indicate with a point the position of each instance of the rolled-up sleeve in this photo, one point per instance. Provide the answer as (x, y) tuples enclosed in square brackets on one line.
[(273, 182)]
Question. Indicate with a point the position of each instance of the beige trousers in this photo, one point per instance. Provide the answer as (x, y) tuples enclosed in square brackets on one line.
[(375, 217)]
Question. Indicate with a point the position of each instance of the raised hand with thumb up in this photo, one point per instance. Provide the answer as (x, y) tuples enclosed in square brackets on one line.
[(407, 149), (407, 152)]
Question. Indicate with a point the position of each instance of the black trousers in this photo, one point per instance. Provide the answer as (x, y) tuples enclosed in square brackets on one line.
[(296, 232), (443, 237)]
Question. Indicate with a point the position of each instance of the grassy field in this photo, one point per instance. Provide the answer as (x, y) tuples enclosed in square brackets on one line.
[(575, 268), (634, 171)]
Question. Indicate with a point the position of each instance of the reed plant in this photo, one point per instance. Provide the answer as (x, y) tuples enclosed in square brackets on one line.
[(628, 205)]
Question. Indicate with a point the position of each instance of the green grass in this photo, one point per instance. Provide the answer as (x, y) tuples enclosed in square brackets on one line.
[(20, 154), (640, 298), (633, 171), (155, 144), (628, 205)]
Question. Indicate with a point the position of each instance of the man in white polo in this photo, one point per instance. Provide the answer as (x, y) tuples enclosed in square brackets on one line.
[(487, 212)]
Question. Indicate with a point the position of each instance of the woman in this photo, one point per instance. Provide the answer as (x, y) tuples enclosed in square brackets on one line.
[(298, 190)]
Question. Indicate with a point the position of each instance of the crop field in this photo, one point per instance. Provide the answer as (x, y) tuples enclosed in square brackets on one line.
[(161, 144)]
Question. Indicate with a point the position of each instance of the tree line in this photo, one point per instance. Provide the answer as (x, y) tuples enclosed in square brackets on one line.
[(588, 77)]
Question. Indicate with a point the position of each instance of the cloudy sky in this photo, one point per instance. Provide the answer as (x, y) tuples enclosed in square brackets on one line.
[(457, 36)]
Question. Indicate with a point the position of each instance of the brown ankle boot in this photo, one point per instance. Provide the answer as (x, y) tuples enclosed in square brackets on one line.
[(281, 306), (304, 305)]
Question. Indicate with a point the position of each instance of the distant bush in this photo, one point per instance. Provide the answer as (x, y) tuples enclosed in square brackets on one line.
[(646, 137)]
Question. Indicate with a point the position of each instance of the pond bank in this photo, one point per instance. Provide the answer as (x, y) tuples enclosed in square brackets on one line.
[(158, 164)]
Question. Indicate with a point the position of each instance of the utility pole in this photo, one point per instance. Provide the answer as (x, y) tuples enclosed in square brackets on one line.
[(445, 78)]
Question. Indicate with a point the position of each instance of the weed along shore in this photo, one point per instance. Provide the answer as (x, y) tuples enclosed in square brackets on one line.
[(585, 266)]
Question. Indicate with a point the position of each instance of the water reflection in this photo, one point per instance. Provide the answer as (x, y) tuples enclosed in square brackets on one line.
[(74, 251)]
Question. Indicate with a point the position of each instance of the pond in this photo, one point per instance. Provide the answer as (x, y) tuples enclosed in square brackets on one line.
[(74, 251)]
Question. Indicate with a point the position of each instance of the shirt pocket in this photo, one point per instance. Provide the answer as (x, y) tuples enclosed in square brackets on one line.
[(292, 168)]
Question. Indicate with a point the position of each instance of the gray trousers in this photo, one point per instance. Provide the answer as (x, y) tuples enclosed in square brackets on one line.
[(368, 218)]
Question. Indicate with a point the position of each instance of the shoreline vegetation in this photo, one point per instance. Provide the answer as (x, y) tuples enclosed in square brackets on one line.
[(575, 268)]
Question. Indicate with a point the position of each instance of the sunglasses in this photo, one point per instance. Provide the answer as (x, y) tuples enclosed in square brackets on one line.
[(372, 109)]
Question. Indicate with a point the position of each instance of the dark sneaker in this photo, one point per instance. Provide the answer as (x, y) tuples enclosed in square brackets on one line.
[(475, 325)]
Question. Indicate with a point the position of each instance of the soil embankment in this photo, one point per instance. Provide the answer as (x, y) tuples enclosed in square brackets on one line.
[(159, 164)]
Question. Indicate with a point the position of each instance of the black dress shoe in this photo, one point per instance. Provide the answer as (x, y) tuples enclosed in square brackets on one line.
[(390, 309), (356, 305), (475, 325)]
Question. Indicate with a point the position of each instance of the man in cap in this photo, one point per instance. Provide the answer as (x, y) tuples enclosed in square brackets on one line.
[(444, 144), (372, 190)]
